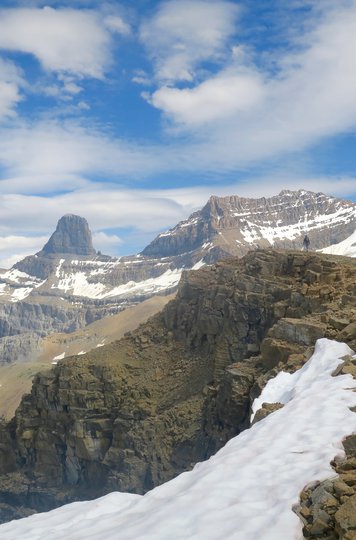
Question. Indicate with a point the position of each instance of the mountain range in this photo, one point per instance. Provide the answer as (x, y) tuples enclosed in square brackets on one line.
[(68, 269), (68, 284)]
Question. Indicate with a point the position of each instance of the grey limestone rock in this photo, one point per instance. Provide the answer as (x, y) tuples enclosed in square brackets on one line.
[(72, 236)]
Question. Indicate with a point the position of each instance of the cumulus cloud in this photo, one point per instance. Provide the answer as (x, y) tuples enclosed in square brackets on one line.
[(184, 33), (10, 82), (104, 241), (14, 248), (63, 40), (214, 99)]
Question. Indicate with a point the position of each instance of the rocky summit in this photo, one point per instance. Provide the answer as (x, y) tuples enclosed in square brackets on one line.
[(135, 413), (72, 236)]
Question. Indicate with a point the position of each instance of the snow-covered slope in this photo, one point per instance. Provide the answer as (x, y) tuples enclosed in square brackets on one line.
[(247, 490), (346, 247)]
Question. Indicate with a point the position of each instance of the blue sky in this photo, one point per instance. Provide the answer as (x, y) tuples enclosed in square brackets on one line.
[(133, 113)]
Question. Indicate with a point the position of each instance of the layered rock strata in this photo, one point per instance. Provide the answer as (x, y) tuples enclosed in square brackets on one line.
[(135, 413)]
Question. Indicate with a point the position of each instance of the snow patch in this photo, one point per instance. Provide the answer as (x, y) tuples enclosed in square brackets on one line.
[(59, 357), (198, 265), (78, 285), (347, 247), (21, 293)]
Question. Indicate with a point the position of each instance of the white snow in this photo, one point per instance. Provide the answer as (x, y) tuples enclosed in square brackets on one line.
[(21, 294), (14, 278), (198, 265), (78, 285), (270, 232), (81, 352), (59, 267), (18, 277), (347, 247), (167, 280), (3, 287), (247, 490), (59, 357)]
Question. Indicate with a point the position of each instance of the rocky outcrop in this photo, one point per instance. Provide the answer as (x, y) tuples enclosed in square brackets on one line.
[(72, 237), (328, 509), (135, 413)]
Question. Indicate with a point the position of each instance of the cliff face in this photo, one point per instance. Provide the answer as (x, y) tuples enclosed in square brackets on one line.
[(134, 414)]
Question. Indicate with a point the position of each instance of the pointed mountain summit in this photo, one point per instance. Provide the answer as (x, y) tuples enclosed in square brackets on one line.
[(71, 239), (72, 236)]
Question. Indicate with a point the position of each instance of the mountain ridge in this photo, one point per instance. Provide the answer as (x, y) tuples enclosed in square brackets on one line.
[(62, 292)]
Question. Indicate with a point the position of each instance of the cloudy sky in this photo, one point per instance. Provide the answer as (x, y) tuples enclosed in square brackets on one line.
[(133, 113)]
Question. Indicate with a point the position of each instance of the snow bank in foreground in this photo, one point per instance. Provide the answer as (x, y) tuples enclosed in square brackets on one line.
[(244, 492)]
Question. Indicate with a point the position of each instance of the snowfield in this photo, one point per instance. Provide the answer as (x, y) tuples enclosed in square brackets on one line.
[(247, 490), (347, 247)]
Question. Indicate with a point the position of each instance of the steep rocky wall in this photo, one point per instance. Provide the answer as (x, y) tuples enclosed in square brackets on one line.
[(45, 318), (134, 414)]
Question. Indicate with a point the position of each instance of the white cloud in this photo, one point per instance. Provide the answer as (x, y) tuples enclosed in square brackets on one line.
[(116, 24), (104, 241), (214, 99), (184, 33), (10, 82), (63, 40), (50, 155), (14, 248)]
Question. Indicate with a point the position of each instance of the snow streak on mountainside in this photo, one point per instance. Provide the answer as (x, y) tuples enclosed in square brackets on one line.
[(247, 490)]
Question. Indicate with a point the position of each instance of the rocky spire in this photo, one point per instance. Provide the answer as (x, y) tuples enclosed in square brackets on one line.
[(72, 236)]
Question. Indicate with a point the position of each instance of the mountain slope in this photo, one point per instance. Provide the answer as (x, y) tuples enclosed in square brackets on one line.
[(16, 377), (247, 490), (133, 414)]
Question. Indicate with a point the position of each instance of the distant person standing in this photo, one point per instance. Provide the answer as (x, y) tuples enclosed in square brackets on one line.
[(306, 243)]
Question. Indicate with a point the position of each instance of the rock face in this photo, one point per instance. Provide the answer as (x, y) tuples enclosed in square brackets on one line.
[(135, 413), (328, 509), (73, 236)]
